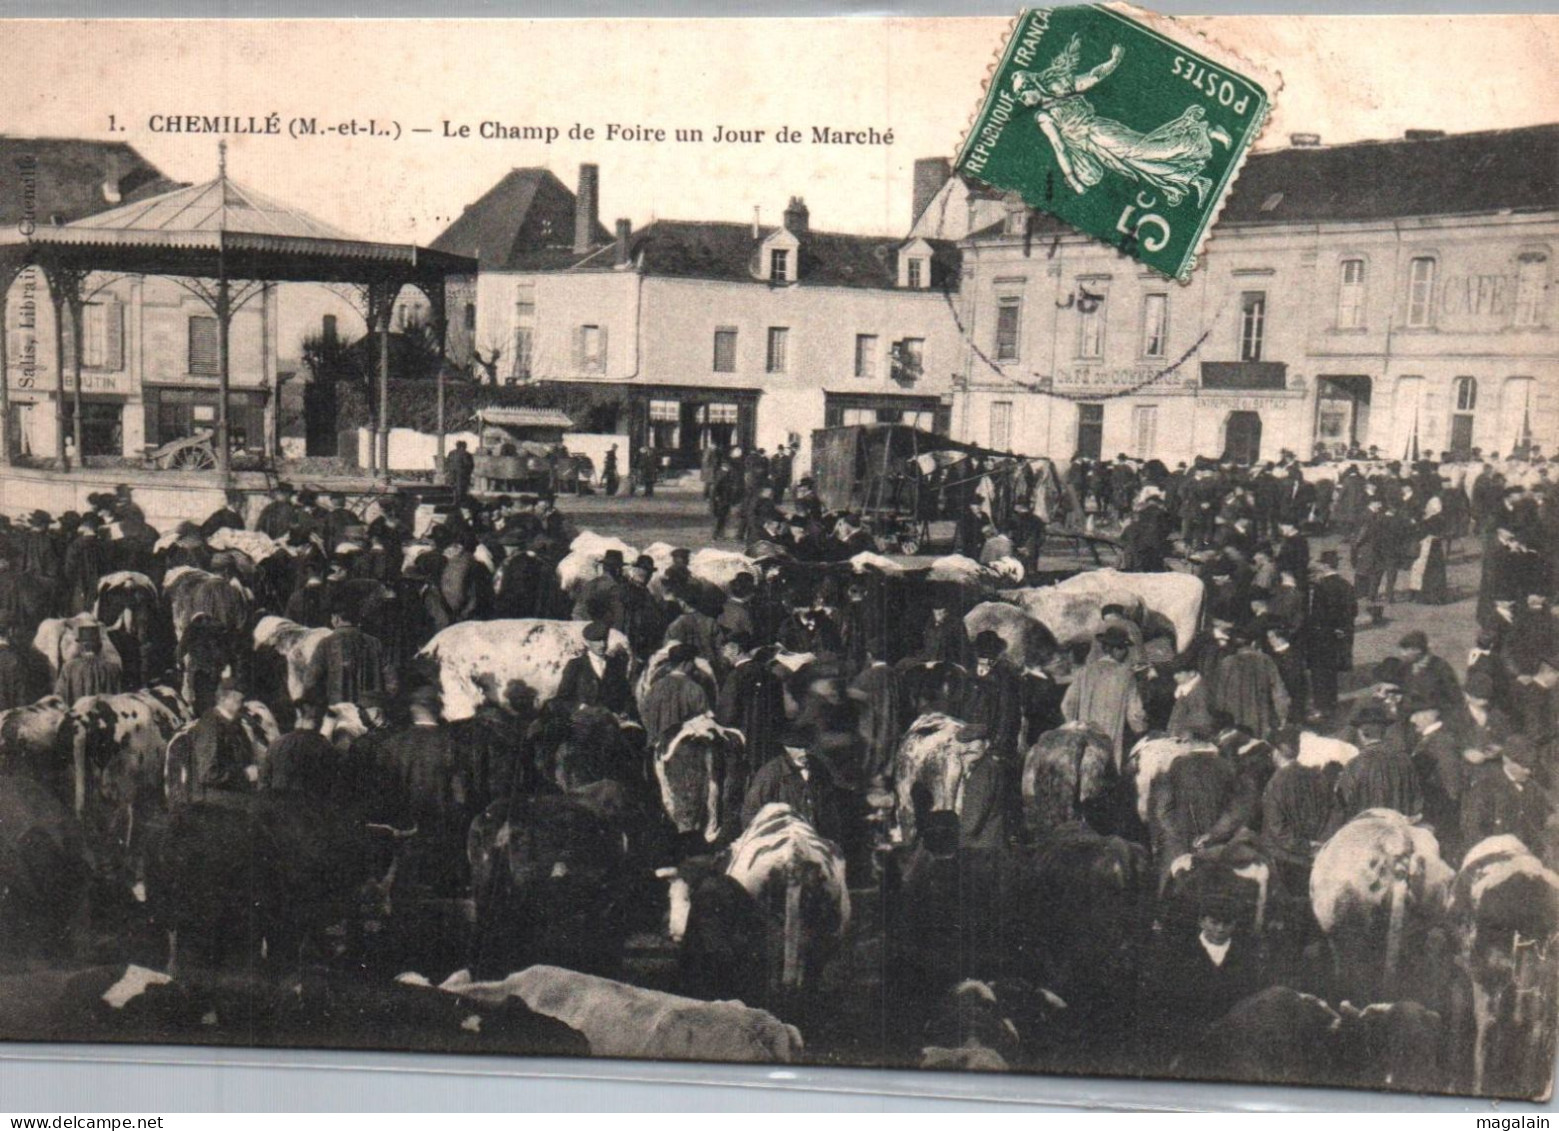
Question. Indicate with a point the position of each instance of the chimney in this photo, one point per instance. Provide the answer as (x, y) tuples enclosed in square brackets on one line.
[(1304, 141), (116, 167), (931, 173), (624, 230), (796, 216), (756, 227), (586, 204), (1424, 135)]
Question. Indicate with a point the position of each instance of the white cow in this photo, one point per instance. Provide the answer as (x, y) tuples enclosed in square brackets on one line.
[(294, 644), (486, 661), (1025, 635), (1071, 608), (934, 757), (620, 1020), (583, 562)]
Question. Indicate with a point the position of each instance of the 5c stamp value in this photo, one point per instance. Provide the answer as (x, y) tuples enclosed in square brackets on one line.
[(1116, 125)]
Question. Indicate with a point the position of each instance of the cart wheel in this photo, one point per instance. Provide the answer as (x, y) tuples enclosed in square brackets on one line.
[(909, 545), (195, 459)]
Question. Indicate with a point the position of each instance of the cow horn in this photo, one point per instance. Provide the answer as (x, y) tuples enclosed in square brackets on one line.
[(667, 873)]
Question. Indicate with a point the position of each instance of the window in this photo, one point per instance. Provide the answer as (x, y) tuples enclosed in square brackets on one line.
[(470, 318), (1515, 417), (719, 414), (666, 412), (1090, 325), (1090, 430), (1464, 391), (590, 349), (204, 359), (866, 356), (1009, 316), (524, 347), (917, 272), (725, 350), (1531, 281), (1001, 425), (909, 359), (779, 265), (102, 336), (1144, 430), (525, 301), (1253, 324), (1466, 394), (774, 362), (1155, 325), (1420, 292), (1017, 221), (1350, 295)]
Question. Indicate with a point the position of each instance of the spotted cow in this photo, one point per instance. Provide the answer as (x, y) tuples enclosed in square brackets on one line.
[(505, 662)]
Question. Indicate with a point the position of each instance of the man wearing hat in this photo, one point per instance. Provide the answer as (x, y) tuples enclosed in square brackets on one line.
[(798, 779), (349, 661), (674, 698), (302, 760), (1502, 797), (309, 604), (277, 516), (943, 640), (725, 492), (736, 618), (1203, 966), (221, 756), (1104, 694), (594, 678), (991, 698), (643, 618), (86, 560), (1442, 773), (18, 683), (1328, 631), (1249, 687), (229, 516), (39, 557), (600, 598), (1381, 777), (88, 672)]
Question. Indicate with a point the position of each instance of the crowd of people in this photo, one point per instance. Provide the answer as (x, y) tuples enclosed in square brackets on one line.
[(1471, 754)]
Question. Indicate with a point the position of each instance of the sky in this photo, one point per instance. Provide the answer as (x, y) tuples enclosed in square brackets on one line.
[(1345, 78)]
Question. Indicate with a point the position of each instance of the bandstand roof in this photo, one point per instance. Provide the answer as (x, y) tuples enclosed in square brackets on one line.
[(191, 231)]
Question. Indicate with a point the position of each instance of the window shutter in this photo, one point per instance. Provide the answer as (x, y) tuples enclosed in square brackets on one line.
[(579, 349), (113, 335), (600, 365)]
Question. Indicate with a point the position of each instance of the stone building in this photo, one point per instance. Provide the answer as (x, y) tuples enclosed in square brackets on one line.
[(1378, 293)]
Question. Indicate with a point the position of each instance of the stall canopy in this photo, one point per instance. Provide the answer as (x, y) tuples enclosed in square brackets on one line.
[(225, 243)]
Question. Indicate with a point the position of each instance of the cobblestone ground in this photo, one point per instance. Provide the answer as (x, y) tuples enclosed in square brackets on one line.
[(682, 518)]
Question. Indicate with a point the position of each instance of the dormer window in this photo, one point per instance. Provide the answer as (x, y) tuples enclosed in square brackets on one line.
[(779, 265), (917, 273), (914, 265)]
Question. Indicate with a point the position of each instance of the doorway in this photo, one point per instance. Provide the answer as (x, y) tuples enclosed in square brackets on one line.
[(1242, 437)]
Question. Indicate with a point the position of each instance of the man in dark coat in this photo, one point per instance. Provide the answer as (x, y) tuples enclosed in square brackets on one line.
[(229, 516), (1329, 631), (648, 465), (89, 672), (459, 467), (644, 621), (943, 639), (278, 515), (1427, 677), (595, 679), (348, 662), (991, 698), (1381, 777), (600, 598), (304, 761), (1502, 798), (221, 752), (86, 560), (797, 779), (18, 677), (1442, 772), (1201, 971)]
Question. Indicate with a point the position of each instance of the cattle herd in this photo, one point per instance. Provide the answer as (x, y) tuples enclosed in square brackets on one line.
[(477, 781)]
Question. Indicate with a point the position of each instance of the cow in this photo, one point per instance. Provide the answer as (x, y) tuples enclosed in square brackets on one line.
[(929, 768), (45, 869), (342, 724), (1068, 776), (702, 778), (27, 743), (1029, 642), (1165, 604), (1283, 1036), (132, 613), (708, 565), (189, 590), (318, 1007), (989, 1026), (551, 878), (620, 1020), (55, 641), (798, 879), (259, 727), (1505, 911), (508, 663), (283, 650), (117, 746), (583, 561), (720, 931), (1377, 886)]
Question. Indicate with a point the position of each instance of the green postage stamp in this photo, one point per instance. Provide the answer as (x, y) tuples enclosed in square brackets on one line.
[(1118, 125)]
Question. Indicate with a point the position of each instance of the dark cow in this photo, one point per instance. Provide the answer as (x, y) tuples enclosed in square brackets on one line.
[(1068, 775), (990, 1026), (551, 877), (28, 737), (702, 779), (1282, 1036), (283, 649), (44, 871), (316, 1008), (131, 611), (719, 930), (1505, 908), (189, 590)]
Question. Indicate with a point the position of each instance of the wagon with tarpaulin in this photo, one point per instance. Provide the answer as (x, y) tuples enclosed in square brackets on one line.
[(521, 449), (909, 486)]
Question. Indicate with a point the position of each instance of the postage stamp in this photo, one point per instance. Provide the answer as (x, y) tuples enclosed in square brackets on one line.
[(1107, 119)]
